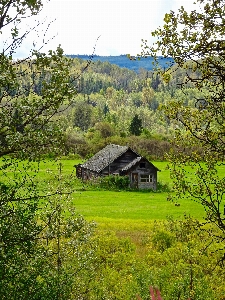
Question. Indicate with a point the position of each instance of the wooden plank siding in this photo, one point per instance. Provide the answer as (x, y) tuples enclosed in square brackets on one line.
[(119, 163), (120, 160), (146, 176)]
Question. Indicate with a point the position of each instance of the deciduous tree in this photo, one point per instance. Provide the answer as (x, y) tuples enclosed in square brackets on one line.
[(82, 115), (36, 240), (195, 41)]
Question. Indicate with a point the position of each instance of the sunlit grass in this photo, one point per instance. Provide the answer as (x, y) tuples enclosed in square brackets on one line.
[(120, 209)]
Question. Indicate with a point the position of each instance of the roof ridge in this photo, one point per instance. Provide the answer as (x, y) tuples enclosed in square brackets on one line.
[(103, 159)]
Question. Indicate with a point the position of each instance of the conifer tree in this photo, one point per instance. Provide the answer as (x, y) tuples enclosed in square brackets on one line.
[(135, 125)]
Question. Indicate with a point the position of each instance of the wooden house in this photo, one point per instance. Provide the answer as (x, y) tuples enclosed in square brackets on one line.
[(123, 161)]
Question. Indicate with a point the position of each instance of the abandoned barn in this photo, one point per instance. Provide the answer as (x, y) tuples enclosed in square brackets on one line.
[(123, 161)]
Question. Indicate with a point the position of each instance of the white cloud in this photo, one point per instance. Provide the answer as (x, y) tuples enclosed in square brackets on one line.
[(120, 24)]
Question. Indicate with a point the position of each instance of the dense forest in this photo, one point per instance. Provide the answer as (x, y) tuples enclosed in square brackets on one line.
[(116, 105)]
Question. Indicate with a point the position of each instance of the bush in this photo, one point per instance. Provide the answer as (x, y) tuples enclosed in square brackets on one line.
[(162, 240), (163, 187), (114, 182)]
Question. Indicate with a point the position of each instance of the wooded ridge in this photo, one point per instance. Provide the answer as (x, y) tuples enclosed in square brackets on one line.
[(133, 63)]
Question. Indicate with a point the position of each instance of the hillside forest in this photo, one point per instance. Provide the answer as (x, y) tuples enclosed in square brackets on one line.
[(115, 105)]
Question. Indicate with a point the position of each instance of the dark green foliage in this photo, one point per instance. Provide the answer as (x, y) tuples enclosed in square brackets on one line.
[(18, 121), (114, 182), (155, 82), (105, 110), (135, 125), (20, 255), (201, 54), (163, 187), (162, 240)]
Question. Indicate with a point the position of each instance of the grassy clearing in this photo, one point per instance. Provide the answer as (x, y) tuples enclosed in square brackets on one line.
[(135, 206), (129, 214), (124, 205), (126, 209), (122, 209)]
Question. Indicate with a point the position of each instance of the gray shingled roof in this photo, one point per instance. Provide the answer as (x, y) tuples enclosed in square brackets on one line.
[(104, 157)]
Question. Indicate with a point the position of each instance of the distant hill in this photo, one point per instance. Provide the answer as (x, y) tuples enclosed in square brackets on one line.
[(124, 62)]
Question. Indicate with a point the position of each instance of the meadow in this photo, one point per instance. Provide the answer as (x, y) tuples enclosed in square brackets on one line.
[(129, 214), (141, 237), (122, 208)]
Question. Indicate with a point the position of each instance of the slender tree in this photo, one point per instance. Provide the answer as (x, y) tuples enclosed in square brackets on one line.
[(195, 41), (37, 240)]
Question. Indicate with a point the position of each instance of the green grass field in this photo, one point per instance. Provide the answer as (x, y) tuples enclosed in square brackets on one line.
[(125, 206), (128, 213), (122, 208), (132, 205)]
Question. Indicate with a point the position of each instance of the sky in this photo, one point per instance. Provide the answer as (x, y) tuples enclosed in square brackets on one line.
[(111, 27)]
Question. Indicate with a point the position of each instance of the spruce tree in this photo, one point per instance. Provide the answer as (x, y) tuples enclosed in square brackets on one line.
[(135, 125)]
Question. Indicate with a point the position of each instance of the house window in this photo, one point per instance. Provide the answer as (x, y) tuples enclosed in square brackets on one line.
[(147, 178), (142, 165)]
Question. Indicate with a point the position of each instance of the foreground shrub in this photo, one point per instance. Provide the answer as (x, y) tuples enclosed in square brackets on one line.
[(182, 263)]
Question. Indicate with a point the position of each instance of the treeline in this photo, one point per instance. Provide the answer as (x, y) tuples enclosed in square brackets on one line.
[(127, 61), (114, 105)]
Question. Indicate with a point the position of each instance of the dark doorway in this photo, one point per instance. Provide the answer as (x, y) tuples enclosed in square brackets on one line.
[(135, 180)]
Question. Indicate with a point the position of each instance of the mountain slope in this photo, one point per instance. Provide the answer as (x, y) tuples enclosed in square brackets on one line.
[(124, 62)]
